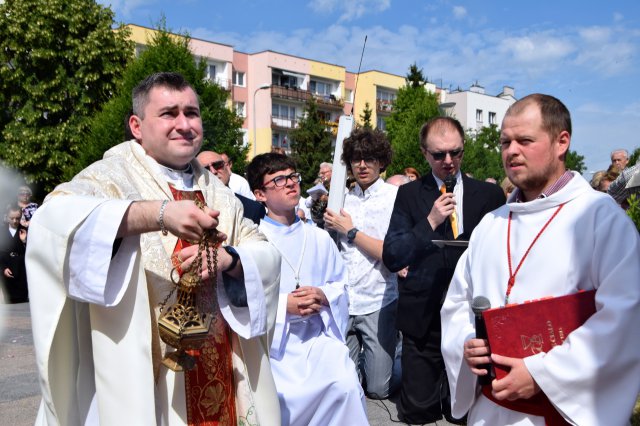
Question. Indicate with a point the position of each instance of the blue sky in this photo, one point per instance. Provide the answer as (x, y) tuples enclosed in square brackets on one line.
[(586, 53)]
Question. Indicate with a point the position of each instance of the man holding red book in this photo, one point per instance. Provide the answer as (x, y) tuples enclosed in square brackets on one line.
[(554, 237)]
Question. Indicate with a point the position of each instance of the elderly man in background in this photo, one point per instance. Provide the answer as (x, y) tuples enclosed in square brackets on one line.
[(217, 165), (619, 159), (237, 183)]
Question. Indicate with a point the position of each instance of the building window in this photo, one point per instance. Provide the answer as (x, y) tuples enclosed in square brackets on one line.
[(320, 88), (348, 93), (493, 120), (479, 116), (385, 95), (280, 140), (278, 79), (238, 78), (283, 111), (240, 108), (211, 72), (381, 124)]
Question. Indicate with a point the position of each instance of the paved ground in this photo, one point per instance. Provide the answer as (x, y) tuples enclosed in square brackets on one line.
[(19, 392)]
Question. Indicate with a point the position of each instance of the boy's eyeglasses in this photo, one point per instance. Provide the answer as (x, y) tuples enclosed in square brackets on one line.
[(280, 181), (370, 162)]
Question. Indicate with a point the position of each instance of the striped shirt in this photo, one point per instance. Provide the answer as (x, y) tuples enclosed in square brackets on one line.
[(550, 190)]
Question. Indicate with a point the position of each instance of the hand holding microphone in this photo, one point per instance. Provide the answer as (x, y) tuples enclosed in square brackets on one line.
[(476, 351), (445, 205)]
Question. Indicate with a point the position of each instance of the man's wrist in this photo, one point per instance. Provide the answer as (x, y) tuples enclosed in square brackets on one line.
[(163, 229), (235, 258), (351, 235)]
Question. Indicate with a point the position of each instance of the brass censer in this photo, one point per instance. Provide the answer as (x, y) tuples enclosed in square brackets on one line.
[(185, 324)]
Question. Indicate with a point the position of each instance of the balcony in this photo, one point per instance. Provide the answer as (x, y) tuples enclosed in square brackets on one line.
[(224, 83), (332, 126), (329, 101), (290, 93), (300, 95), (384, 106), (283, 123)]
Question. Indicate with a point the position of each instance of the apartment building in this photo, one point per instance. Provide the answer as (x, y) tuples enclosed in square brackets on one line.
[(270, 89), (475, 109)]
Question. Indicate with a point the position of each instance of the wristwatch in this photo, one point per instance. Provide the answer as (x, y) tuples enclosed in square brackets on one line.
[(351, 235), (234, 256)]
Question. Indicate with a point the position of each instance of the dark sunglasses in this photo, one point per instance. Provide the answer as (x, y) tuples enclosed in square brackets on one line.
[(216, 165), (439, 156)]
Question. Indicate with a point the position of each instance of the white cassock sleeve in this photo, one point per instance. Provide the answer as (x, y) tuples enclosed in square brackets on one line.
[(457, 328), (94, 275), (335, 316), (251, 320)]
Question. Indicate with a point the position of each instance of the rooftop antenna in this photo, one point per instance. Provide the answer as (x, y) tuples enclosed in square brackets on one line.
[(355, 89)]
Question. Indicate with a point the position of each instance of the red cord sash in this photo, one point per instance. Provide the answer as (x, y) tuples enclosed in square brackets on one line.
[(209, 386)]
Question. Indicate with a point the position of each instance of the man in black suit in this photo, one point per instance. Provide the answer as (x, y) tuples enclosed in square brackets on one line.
[(13, 240), (425, 211), (217, 165)]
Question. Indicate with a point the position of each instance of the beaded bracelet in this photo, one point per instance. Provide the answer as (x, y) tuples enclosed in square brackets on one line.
[(161, 218)]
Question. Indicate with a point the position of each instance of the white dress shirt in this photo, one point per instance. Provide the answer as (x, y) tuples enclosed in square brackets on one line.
[(371, 285)]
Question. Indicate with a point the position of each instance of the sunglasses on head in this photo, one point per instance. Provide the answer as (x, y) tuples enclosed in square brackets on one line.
[(441, 155)]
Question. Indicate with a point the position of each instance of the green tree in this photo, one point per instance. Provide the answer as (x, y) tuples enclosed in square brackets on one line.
[(310, 143), (415, 78), (482, 157), (633, 158), (411, 109), (168, 52), (634, 210), (366, 116), (575, 161), (59, 62)]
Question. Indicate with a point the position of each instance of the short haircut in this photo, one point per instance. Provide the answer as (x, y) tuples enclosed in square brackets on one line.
[(25, 188), (555, 115), (265, 164), (439, 123), (140, 93), (624, 151), (328, 165), (365, 144), (12, 207)]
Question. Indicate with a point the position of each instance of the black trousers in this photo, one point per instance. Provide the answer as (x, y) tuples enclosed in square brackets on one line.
[(424, 394)]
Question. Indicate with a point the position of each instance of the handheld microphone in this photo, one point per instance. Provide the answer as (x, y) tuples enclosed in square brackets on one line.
[(449, 183), (479, 304)]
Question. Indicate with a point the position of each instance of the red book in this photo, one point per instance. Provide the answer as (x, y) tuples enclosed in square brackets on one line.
[(525, 329), (529, 328)]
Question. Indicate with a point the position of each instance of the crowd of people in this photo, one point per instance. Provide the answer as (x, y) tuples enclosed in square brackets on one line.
[(301, 311)]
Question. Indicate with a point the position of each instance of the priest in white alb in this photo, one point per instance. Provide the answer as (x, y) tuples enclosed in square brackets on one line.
[(108, 252), (555, 236)]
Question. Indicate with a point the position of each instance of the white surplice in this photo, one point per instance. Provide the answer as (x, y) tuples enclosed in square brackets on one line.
[(316, 380), (593, 378), (95, 325)]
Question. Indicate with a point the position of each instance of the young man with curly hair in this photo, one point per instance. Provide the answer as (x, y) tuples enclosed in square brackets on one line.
[(362, 225)]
